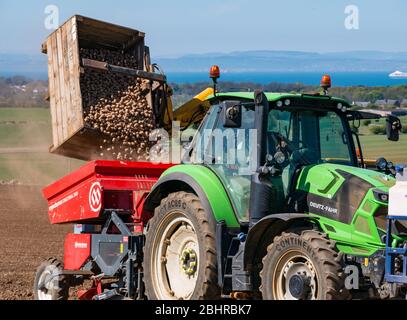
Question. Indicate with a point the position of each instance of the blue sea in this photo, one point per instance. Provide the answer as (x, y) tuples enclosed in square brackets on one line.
[(309, 78)]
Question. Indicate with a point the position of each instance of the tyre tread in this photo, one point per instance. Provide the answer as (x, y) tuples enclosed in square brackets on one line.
[(325, 253)]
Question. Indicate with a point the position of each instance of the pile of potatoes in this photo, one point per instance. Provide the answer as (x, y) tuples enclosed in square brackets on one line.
[(116, 105)]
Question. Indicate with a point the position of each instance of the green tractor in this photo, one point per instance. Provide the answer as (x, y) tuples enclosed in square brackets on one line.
[(273, 200)]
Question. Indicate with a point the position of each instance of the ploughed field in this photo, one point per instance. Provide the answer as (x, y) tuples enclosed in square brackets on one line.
[(26, 238)]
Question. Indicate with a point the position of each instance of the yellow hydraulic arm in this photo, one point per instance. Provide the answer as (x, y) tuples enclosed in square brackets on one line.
[(190, 112)]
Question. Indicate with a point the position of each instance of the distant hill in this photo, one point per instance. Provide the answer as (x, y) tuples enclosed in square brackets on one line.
[(276, 61), (35, 66)]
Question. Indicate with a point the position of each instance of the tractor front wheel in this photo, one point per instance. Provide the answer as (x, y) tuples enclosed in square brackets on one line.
[(49, 284), (302, 266), (180, 251)]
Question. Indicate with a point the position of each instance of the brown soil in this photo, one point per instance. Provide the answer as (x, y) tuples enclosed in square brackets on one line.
[(26, 238)]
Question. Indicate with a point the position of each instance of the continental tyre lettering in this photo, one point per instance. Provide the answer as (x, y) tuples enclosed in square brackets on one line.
[(309, 248), (293, 241)]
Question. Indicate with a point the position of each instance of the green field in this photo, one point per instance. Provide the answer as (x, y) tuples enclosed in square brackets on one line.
[(25, 136), (375, 146), (24, 127), (24, 114)]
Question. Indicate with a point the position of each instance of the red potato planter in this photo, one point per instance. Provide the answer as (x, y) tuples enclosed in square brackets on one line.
[(81, 196), (105, 200)]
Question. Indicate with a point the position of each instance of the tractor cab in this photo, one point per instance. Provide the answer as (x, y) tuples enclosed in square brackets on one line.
[(299, 130), (298, 137), (274, 138)]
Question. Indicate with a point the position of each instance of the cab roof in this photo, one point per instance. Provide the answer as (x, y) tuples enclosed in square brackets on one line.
[(274, 96)]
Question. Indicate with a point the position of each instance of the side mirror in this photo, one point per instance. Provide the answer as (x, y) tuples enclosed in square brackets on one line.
[(232, 114), (393, 128), (385, 166), (381, 164)]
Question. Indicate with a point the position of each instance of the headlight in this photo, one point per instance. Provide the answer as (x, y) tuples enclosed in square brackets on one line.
[(381, 196)]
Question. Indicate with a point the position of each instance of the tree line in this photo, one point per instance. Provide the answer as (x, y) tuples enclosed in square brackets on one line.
[(351, 93), (24, 92)]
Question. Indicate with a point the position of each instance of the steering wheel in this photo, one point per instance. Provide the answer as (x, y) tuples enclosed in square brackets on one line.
[(285, 150)]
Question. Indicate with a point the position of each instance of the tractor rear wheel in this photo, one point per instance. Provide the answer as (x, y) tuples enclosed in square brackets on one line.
[(302, 266), (49, 284), (180, 251)]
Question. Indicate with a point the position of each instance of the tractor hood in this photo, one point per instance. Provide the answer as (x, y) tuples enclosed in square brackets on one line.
[(337, 191), (326, 179)]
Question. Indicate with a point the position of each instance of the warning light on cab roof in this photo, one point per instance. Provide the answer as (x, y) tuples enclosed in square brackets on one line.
[(214, 72), (326, 82)]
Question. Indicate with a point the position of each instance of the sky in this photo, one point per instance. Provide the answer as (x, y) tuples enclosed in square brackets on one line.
[(178, 27)]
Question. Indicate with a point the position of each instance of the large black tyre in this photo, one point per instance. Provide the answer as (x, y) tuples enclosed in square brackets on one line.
[(303, 266), (48, 284), (180, 251)]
